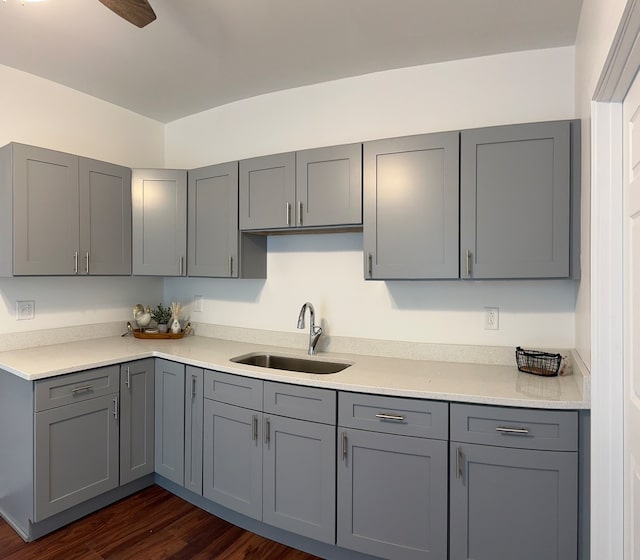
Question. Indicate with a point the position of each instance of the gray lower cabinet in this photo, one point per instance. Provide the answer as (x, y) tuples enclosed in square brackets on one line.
[(137, 395), (215, 246), (515, 201), (392, 489), (317, 188), (514, 493), (76, 454), (69, 216), (159, 198), (411, 193), (169, 420), (193, 428)]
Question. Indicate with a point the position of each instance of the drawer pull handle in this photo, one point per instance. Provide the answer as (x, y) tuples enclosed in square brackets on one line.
[(267, 431), (115, 408), (517, 431), (254, 427), (128, 381), (458, 463), (344, 446), (387, 416), (83, 388)]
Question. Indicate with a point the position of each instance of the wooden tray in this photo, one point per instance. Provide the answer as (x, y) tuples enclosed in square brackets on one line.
[(141, 334)]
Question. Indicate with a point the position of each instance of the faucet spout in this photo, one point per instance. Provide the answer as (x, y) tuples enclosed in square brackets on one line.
[(314, 331)]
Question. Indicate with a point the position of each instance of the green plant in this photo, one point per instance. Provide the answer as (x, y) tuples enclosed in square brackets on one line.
[(161, 314)]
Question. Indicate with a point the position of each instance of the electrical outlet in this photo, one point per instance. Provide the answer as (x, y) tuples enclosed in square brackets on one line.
[(491, 317), (25, 310), (197, 304)]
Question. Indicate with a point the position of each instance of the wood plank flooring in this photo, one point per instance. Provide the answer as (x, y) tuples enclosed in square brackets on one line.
[(151, 525)]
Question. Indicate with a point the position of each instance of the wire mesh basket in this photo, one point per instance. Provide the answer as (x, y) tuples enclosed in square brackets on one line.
[(538, 362)]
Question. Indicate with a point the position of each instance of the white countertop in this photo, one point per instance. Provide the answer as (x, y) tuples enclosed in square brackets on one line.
[(462, 382)]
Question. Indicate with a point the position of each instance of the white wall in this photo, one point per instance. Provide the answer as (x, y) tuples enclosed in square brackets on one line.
[(40, 112), (599, 21), (327, 269)]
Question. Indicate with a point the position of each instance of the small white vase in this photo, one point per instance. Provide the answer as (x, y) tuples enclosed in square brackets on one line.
[(175, 326)]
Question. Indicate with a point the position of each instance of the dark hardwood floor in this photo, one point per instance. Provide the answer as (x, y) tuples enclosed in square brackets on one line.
[(150, 525)]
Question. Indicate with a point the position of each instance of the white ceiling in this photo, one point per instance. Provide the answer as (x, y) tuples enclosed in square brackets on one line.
[(200, 54)]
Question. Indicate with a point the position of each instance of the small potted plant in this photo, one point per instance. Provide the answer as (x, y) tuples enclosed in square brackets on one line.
[(162, 315)]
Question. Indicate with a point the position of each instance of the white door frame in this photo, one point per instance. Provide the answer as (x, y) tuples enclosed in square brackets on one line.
[(607, 419)]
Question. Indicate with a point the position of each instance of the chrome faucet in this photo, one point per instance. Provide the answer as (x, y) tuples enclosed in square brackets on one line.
[(314, 332)]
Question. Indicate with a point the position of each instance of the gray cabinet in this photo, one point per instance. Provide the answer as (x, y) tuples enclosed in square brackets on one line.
[(137, 394), (513, 484), (193, 426), (318, 188), (169, 420), (76, 444), (159, 222), (263, 460), (392, 476), (215, 246), (63, 214), (411, 188), (515, 201)]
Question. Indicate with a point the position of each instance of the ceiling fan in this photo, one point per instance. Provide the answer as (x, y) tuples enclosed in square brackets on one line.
[(137, 12)]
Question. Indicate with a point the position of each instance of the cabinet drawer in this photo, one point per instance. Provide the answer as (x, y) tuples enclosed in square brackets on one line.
[(394, 415), (304, 403), (233, 389), (553, 430), (76, 387)]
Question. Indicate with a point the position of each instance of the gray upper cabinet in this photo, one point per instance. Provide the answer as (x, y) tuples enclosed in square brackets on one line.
[(63, 214), (137, 384), (329, 186), (515, 207), (169, 420), (411, 188), (318, 188), (267, 192), (105, 218), (215, 246), (512, 498), (159, 222)]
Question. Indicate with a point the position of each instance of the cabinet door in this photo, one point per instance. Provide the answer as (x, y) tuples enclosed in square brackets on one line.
[(329, 186), (193, 425), (136, 419), (76, 454), (299, 477), (513, 503), (515, 201), (268, 192), (169, 420), (213, 221), (232, 462), (105, 218), (159, 222), (411, 207), (46, 225), (392, 495)]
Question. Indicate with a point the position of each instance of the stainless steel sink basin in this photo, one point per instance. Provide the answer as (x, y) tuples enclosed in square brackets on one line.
[(290, 363)]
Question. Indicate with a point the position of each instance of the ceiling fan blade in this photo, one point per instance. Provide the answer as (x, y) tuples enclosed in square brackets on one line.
[(138, 12)]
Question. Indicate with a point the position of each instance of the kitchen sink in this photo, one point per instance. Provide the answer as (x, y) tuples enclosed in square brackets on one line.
[(290, 363)]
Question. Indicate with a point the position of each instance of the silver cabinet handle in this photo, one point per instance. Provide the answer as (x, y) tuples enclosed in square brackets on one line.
[(300, 213), (516, 431), (75, 262), (181, 265), (128, 381), (387, 416), (83, 388), (115, 408), (254, 428), (288, 213), (468, 263), (193, 386), (230, 265), (267, 431), (370, 264), (344, 446), (86, 262), (458, 462)]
